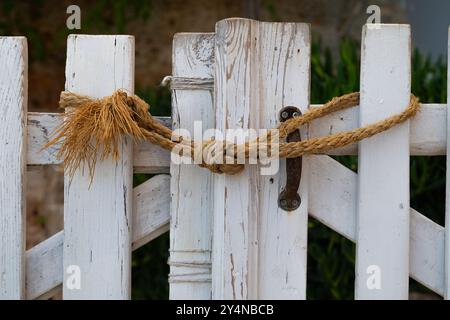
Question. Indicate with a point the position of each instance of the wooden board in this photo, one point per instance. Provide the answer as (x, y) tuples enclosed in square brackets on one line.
[(259, 250), (97, 216), (13, 119), (191, 186), (382, 229)]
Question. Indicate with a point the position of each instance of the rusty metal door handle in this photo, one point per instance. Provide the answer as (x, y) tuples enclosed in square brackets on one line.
[(289, 199)]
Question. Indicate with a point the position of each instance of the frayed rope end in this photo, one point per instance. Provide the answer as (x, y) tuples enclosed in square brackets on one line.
[(92, 129)]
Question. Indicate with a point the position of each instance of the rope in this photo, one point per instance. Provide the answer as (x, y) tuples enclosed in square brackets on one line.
[(93, 128), (186, 83)]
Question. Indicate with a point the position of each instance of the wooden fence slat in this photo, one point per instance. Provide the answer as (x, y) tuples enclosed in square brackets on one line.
[(447, 194), (191, 186), (382, 245), (234, 265), (259, 251), (284, 66), (97, 217), (13, 119)]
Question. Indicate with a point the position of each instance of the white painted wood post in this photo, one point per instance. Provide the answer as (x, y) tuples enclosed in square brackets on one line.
[(284, 65), (447, 193), (382, 237), (259, 250), (97, 217), (191, 186), (13, 135)]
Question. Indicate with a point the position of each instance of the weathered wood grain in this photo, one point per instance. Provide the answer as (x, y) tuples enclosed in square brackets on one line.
[(284, 69), (191, 186), (97, 213), (13, 120), (259, 250)]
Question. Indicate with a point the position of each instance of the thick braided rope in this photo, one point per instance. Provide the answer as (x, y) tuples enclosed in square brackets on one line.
[(94, 127)]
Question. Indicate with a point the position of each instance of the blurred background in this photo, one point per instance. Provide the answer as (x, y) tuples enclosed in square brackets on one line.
[(336, 29)]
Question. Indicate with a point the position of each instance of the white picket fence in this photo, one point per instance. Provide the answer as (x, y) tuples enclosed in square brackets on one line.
[(228, 238)]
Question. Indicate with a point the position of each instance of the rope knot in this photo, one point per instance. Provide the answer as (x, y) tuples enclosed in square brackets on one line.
[(217, 159)]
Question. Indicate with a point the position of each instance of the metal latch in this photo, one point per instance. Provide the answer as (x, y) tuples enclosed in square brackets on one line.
[(289, 199)]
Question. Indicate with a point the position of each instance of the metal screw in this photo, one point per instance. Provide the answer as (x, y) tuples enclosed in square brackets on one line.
[(295, 203), (283, 202), (284, 114), (295, 114)]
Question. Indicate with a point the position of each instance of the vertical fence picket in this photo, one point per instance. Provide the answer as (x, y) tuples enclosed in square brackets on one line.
[(285, 73), (259, 251), (191, 186), (234, 265), (97, 217), (382, 245), (447, 193), (13, 118)]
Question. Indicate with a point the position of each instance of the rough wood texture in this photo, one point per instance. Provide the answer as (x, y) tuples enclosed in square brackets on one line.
[(191, 186), (45, 267), (97, 216), (382, 244), (149, 158), (259, 250), (13, 119), (151, 201), (284, 67), (235, 243), (151, 204)]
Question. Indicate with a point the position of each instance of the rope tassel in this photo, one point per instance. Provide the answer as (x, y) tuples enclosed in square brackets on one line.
[(93, 128)]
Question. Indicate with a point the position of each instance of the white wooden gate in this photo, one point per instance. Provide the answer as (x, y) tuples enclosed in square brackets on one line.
[(228, 238)]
